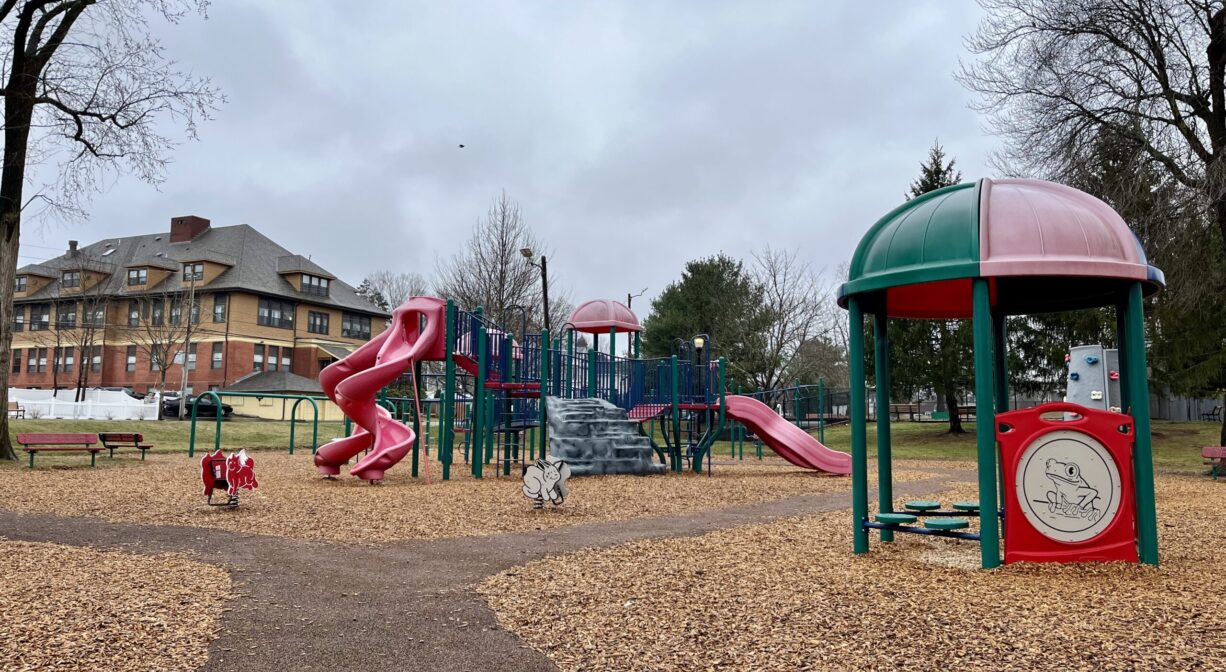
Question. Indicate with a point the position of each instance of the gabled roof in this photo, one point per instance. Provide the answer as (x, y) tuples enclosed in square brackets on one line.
[(253, 259), (296, 263), (38, 269)]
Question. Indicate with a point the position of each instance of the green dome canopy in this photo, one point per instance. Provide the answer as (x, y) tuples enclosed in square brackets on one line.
[(1043, 246)]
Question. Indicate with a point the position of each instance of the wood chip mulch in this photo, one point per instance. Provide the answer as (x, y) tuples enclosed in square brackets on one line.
[(293, 501), (789, 595), (70, 608)]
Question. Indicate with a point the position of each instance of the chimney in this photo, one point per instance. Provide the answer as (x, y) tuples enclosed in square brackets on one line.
[(187, 227), (72, 247)]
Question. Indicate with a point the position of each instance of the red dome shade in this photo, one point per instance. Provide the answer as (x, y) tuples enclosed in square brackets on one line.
[(600, 315)]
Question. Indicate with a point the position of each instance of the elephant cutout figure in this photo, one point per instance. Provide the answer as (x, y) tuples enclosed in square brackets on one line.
[(544, 480)]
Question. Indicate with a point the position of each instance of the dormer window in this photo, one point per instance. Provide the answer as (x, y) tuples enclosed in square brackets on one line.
[(71, 279), (313, 284), (193, 271), (21, 284), (137, 276)]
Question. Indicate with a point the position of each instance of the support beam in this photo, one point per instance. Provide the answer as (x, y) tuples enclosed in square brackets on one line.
[(881, 370), (859, 449), (1142, 450), (985, 426)]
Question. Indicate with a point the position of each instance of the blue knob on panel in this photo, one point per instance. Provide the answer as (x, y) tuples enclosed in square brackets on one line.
[(1091, 359), (1074, 376)]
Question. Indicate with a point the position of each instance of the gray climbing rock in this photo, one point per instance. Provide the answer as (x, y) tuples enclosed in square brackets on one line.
[(596, 437)]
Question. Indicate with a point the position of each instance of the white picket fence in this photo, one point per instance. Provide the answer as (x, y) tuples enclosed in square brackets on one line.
[(98, 405)]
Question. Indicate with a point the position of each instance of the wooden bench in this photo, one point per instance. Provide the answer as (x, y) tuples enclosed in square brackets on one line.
[(113, 441), (1215, 456), (16, 411), (912, 410), (33, 442)]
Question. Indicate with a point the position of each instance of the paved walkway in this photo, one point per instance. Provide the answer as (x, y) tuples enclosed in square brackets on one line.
[(307, 605)]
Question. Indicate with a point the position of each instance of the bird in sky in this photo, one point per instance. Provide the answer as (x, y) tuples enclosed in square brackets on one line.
[(461, 146)]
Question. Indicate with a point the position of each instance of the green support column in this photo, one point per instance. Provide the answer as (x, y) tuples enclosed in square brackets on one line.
[(985, 427), (612, 365), (638, 345), (821, 410), (591, 373), (477, 420), (544, 376), (859, 447), (1142, 451), (414, 466), (881, 368), (676, 392), (570, 364)]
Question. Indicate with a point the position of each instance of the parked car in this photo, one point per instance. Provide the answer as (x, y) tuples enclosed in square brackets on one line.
[(206, 409), (126, 390)]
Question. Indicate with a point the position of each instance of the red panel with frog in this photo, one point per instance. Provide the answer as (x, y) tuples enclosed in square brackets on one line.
[(1068, 484)]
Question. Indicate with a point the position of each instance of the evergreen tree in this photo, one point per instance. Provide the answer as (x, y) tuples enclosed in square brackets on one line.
[(932, 355), (367, 291)]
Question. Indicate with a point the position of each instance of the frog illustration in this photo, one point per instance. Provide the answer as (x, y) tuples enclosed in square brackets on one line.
[(1072, 496)]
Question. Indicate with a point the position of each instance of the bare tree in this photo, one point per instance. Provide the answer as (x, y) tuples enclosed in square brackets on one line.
[(1055, 75), (161, 330), (396, 288), (491, 272), (85, 89), (796, 302)]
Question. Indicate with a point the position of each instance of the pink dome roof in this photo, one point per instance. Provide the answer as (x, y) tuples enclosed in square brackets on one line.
[(1032, 227), (597, 316)]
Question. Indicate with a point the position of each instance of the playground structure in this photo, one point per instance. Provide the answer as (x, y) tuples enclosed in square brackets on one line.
[(986, 251), (495, 389)]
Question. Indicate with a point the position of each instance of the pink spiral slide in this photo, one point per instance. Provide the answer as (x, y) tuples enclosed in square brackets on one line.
[(791, 442), (354, 381)]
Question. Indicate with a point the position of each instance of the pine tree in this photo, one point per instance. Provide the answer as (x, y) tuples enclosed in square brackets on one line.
[(367, 291), (932, 355)]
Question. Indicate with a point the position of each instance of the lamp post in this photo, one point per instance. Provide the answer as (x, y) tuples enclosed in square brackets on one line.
[(528, 254), (631, 297), (699, 341)]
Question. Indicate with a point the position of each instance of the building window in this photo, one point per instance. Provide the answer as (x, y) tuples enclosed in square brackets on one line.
[(64, 359), (176, 310), (40, 317), (32, 362), (131, 365), (71, 279), (257, 364), (155, 362), (317, 323), (133, 313), (355, 326), (66, 316), (216, 355), (313, 284), (17, 360), (20, 285), (273, 357), (220, 303), (159, 312), (193, 272), (94, 314), (137, 276), (95, 360), (42, 360), (195, 312), (19, 318), (273, 313), (191, 356), (287, 359)]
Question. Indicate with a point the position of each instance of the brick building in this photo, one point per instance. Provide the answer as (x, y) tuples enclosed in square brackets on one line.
[(120, 307)]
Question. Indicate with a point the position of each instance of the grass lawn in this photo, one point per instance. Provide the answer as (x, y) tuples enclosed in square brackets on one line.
[(1176, 444)]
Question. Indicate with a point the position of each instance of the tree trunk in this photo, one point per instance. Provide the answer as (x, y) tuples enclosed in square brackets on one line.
[(955, 417), (18, 111), (1222, 437)]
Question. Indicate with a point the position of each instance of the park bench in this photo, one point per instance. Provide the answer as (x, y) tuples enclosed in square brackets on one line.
[(16, 411), (912, 410), (113, 441), (36, 442), (1215, 456), (1214, 415)]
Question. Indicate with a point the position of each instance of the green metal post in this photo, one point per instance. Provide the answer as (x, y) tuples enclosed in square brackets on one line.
[(545, 375), (859, 439), (985, 426), (1000, 384), (796, 401), (293, 413), (570, 364), (477, 421), (446, 410), (676, 392), (491, 421), (612, 364), (1121, 335), (881, 368), (414, 466), (821, 410), (591, 373), (638, 345), (1142, 450), (191, 442)]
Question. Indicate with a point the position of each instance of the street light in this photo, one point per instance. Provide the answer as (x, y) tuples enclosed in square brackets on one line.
[(528, 254)]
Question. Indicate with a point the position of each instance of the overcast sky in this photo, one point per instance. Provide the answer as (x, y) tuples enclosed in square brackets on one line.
[(635, 135)]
